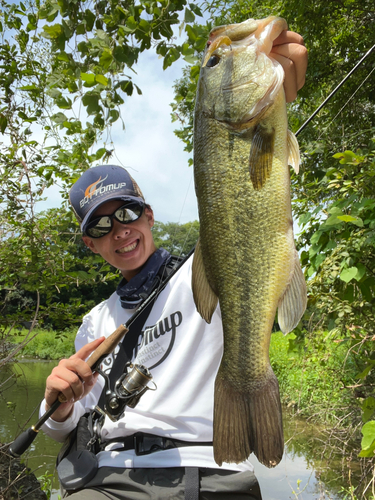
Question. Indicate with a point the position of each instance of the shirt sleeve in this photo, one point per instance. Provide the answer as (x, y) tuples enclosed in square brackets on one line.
[(60, 430)]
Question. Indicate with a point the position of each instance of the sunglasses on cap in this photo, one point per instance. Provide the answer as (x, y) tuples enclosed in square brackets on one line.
[(100, 226)]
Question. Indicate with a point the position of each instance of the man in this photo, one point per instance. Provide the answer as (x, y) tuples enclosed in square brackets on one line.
[(182, 352)]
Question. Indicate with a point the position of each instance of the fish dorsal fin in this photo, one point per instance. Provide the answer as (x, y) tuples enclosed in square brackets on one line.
[(204, 297), (293, 303), (261, 155), (293, 152)]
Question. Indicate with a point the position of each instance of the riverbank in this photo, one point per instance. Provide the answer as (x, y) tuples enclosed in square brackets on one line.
[(17, 480)]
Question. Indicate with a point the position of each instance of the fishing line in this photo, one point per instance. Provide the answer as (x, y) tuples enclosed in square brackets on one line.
[(347, 102), (335, 90)]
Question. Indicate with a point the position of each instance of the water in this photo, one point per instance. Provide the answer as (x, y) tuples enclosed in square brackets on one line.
[(302, 474)]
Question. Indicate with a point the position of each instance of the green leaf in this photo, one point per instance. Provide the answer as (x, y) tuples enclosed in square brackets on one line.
[(348, 274), (100, 153), (361, 271), (89, 78), (113, 115), (59, 118), (101, 79), (63, 103), (332, 220), (348, 157), (53, 31), (131, 23), (368, 439), (349, 218), (304, 218), (346, 218), (189, 16), (106, 59), (63, 56), (29, 88), (3, 123), (192, 33), (316, 237), (368, 409)]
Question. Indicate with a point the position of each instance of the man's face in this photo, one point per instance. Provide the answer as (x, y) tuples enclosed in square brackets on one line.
[(128, 246)]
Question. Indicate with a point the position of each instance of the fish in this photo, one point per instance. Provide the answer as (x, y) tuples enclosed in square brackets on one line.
[(245, 257)]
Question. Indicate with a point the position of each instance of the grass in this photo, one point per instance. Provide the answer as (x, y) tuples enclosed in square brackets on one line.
[(47, 344), (314, 373)]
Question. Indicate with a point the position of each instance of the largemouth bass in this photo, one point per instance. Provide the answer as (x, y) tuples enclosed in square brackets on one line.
[(246, 257)]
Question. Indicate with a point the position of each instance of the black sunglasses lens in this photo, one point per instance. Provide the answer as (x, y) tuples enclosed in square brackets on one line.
[(99, 227), (128, 214)]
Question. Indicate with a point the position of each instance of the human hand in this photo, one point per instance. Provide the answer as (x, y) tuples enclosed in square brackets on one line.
[(73, 378), (289, 50)]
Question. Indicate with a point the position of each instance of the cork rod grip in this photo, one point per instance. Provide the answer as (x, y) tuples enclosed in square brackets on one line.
[(106, 347)]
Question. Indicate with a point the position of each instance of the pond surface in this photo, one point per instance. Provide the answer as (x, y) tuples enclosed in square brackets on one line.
[(302, 474)]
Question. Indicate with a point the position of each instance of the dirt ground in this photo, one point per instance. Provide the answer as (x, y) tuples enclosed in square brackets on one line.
[(16, 481)]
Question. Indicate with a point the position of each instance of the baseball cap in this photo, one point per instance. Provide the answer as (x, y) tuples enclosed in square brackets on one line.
[(97, 186)]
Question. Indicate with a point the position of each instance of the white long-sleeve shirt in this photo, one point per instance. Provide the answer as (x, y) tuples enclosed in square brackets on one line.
[(183, 353)]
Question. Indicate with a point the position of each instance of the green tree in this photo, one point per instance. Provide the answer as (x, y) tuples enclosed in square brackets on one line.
[(177, 238), (67, 68), (52, 271)]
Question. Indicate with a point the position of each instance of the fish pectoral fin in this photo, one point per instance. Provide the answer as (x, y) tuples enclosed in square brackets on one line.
[(261, 155), (293, 148), (204, 297), (293, 303)]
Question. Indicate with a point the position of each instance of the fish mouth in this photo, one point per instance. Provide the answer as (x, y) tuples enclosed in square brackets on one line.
[(128, 248)]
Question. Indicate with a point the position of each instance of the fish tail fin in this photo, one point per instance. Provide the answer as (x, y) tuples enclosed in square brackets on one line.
[(246, 422), (204, 297)]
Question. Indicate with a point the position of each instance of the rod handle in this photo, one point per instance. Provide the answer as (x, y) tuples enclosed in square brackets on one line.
[(23, 441), (106, 347)]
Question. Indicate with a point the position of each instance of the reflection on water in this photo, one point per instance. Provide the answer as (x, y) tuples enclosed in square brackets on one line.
[(299, 475)]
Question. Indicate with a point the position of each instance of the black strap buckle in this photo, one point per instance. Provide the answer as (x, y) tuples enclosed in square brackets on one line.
[(144, 444)]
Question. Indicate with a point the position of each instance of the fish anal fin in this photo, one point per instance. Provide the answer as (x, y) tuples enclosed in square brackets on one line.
[(246, 422), (261, 155), (293, 152), (293, 303), (204, 297)]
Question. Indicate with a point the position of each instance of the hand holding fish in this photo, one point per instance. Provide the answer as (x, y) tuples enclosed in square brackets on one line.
[(289, 50)]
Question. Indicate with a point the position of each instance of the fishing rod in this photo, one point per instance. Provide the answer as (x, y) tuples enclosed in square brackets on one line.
[(24, 440), (335, 90)]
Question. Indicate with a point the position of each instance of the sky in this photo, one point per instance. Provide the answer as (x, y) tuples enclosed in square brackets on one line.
[(148, 148)]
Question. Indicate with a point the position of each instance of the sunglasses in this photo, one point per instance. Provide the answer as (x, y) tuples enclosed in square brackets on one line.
[(103, 225)]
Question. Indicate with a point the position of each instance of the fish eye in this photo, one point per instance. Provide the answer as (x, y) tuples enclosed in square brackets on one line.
[(213, 61)]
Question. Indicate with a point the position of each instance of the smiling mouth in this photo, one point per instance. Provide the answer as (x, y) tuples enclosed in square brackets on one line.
[(128, 248)]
